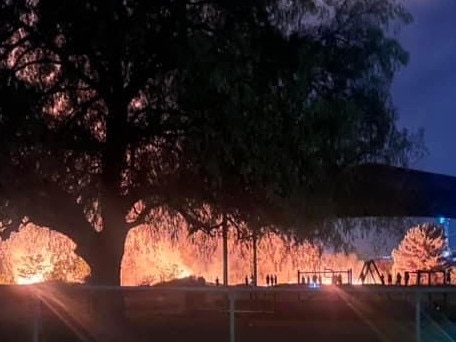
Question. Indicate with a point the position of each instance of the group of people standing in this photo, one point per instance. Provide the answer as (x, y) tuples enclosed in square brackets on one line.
[(271, 279)]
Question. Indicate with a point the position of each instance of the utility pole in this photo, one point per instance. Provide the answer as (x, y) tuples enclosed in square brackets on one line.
[(255, 258), (225, 250)]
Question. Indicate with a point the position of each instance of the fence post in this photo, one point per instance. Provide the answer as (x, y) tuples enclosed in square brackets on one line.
[(418, 316), (36, 318), (232, 299)]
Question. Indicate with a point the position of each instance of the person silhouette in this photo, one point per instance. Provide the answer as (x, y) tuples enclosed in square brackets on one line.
[(267, 280), (406, 278), (398, 279), (390, 279)]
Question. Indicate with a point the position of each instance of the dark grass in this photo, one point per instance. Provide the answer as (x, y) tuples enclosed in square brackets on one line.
[(326, 315)]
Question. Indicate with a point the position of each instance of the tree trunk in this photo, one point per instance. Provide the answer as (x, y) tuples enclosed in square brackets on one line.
[(111, 324), (107, 257)]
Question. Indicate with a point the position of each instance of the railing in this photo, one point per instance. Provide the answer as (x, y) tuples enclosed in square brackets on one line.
[(415, 293)]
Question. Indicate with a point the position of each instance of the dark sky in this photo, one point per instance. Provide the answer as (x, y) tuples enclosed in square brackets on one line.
[(425, 91)]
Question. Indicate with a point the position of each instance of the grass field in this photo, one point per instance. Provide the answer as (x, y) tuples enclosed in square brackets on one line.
[(327, 314)]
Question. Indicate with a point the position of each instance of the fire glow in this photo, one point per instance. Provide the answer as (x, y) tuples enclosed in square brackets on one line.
[(153, 255), (33, 279)]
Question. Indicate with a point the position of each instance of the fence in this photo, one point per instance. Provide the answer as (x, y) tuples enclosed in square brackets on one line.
[(235, 296)]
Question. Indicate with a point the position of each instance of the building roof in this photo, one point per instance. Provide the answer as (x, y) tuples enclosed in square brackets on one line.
[(380, 190)]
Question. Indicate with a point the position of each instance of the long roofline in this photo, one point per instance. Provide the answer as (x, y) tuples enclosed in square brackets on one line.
[(381, 190)]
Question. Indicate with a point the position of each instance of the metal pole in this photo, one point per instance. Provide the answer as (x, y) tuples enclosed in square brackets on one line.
[(225, 251), (255, 260), (418, 317), (36, 319), (231, 297)]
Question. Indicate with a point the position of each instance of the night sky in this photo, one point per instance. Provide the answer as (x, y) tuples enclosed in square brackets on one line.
[(425, 91)]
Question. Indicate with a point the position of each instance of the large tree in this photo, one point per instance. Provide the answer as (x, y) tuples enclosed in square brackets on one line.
[(422, 248), (241, 108)]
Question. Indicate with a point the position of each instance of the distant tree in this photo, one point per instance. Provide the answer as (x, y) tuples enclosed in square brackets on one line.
[(42, 254), (245, 107), (421, 249)]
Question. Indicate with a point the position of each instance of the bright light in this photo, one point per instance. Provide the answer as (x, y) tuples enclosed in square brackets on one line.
[(184, 274), (34, 279), (326, 281)]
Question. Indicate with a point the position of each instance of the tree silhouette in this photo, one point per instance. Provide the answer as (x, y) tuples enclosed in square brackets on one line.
[(421, 249), (113, 109)]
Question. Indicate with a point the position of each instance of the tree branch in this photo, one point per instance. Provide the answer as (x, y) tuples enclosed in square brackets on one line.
[(47, 205)]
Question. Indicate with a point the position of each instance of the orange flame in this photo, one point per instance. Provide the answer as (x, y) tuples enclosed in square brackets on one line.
[(154, 255)]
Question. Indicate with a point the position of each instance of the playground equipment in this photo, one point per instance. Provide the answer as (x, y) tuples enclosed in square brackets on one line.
[(370, 269), (429, 275), (317, 276)]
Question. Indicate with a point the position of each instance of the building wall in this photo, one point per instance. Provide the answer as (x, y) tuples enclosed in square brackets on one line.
[(452, 235)]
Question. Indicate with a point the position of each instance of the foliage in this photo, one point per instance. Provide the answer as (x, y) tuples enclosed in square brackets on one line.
[(6, 274), (421, 249), (385, 266), (154, 255), (41, 254), (66, 268), (128, 106), (31, 266), (379, 235)]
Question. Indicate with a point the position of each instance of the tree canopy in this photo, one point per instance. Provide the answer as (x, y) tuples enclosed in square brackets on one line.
[(243, 108), (422, 248)]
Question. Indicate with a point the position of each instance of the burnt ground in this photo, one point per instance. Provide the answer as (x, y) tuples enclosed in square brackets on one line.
[(329, 314)]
